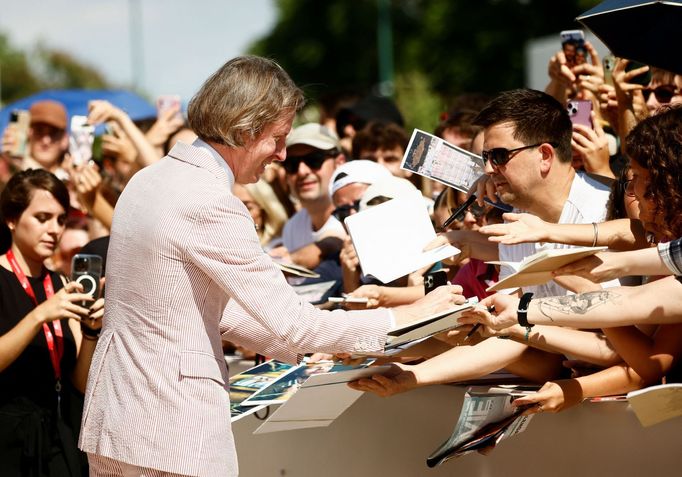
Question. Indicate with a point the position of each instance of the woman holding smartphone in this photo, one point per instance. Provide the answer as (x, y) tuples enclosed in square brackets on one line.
[(46, 337)]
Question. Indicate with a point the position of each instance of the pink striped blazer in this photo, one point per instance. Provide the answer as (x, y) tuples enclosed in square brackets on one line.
[(185, 267)]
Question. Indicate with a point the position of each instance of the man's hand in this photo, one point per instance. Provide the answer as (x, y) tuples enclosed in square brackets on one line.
[(400, 378), (439, 300)]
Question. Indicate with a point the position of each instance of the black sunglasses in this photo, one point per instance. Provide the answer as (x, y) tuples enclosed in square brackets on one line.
[(343, 211), (314, 161), (499, 156), (664, 93)]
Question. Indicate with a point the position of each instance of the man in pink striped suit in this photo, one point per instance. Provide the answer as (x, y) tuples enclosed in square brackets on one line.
[(184, 269)]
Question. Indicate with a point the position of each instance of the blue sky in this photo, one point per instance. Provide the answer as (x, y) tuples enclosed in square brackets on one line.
[(183, 42)]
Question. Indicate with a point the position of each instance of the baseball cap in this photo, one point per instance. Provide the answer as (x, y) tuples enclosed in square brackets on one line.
[(49, 112), (314, 135), (362, 171), (386, 189)]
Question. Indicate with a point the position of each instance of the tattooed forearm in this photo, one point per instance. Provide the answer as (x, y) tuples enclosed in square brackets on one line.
[(576, 304)]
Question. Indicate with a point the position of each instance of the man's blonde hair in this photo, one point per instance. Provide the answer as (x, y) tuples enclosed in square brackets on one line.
[(241, 99)]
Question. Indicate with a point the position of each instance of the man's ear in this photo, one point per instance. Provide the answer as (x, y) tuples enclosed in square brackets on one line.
[(548, 157), (340, 159)]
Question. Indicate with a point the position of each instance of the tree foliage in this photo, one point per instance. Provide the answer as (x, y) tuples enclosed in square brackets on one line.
[(446, 47), (23, 73)]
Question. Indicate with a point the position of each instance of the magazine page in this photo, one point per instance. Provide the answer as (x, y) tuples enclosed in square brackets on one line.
[(486, 418), (656, 403), (245, 384), (319, 401), (432, 157)]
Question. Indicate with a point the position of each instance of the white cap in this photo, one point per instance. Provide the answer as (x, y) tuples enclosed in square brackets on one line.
[(358, 171), (314, 135), (390, 188)]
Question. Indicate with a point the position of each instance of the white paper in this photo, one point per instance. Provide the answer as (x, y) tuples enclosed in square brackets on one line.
[(319, 401), (390, 238)]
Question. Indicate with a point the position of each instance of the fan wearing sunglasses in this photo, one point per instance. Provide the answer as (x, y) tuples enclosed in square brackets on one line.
[(312, 235), (527, 155), (665, 88)]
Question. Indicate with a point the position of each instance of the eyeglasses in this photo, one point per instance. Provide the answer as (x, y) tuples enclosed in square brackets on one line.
[(499, 156), (314, 161), (664, 93), (343, 211)]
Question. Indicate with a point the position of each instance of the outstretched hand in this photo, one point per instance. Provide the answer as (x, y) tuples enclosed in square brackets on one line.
[(400, 378), (598, 268), (504, 316), (519, 228), (554, 396)]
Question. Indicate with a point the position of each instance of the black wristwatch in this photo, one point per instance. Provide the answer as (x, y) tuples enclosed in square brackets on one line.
[(522, 312)]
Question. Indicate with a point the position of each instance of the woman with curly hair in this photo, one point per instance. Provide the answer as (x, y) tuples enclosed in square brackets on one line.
[(654, 148)]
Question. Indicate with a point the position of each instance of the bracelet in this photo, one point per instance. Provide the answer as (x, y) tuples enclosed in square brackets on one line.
[(596, 233), (89, 331), (525, 338), (91, 338), (522, 312)]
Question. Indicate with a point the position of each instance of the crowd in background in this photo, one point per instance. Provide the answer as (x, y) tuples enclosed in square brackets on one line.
[(613, 181)]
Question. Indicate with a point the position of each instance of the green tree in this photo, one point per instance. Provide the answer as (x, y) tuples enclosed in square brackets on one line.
[(23, 73), (60, 69), (16, 78), (441, 48)]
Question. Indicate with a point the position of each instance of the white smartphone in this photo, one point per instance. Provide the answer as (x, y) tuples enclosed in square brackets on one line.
[(81, 138)]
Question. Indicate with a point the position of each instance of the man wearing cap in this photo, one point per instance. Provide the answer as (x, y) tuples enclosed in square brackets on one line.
[(312, 235), (346, 187), (47, 137)]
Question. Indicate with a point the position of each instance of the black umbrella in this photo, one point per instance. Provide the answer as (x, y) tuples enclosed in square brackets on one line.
[(646, 31)]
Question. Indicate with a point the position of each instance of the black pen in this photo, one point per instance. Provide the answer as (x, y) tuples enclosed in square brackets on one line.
[(458, 211), (491, 309)]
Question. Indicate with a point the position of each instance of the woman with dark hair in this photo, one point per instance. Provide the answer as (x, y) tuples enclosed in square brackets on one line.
[(44, 353), (654, 148)]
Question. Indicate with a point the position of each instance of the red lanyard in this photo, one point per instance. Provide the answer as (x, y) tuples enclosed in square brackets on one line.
[(55, 354)]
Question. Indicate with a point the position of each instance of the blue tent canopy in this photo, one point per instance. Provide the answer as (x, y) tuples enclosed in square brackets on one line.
[(76, 102)]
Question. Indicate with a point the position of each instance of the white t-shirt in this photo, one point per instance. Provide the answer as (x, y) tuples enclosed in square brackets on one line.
[(586, 203), (298, 230)]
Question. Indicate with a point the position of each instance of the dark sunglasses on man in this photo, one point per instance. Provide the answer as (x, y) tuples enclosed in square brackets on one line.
[(313, 160), (343, 211), (663, 93), (499, 156)]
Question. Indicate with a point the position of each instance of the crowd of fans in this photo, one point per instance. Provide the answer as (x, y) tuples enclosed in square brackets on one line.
[(614, 184)]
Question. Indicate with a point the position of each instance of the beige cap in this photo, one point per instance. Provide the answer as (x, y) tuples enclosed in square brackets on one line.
[(314, 135)]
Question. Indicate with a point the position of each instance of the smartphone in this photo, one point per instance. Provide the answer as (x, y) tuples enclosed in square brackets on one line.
[(168, 101), (580, 111), (643, 78), (81, 139), (433, 280), (609, 63), (87, 270), (20, 120), (573, 46)]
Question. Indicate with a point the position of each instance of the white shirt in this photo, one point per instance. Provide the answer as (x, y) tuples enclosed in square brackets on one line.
[(586, 203), (298, 231)]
